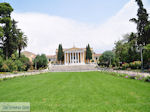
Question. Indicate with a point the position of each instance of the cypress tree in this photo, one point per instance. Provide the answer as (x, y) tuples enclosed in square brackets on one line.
[(60, 54), (142, 22), (88, 53)]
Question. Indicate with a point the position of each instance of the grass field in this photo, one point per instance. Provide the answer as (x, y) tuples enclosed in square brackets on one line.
[(78, 92)]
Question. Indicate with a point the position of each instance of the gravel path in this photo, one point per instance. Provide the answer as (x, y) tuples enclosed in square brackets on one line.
[(47, 70), (22, 74), (126, 72)]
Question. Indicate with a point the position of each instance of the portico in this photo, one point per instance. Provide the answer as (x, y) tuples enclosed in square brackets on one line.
[(74, 56)]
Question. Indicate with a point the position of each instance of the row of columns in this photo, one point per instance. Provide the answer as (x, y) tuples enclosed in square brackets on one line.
[(73, 57)]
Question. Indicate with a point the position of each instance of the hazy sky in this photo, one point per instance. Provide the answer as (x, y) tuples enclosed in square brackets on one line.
[(74, 22)]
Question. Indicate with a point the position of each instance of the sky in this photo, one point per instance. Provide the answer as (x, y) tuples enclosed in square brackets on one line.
[(48, 23)]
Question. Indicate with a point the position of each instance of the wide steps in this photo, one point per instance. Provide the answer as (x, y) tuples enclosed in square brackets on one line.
[(72, 68)]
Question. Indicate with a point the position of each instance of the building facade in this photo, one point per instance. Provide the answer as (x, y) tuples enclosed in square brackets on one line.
[(76, 56)]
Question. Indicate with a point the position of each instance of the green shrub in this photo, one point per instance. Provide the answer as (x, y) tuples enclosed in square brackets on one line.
[(125, 66), (135, 65), (1, 61), (19, 65), (5, 68), (147, 79)]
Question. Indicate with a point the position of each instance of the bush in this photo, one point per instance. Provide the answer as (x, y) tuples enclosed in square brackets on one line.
[(26, 62), (1, 61), (125, 66), (5, 68), (14, 64), (135, 65), (19, 65), (147, 79)]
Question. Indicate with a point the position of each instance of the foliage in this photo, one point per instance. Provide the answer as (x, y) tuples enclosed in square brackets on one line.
[(40, 61), (14, 64), (60, 54), (126, 49), (125, 66), (107, 58), (88, 53), (146, 56), (11, 38), (5, 68), (147, 79), (142, 22), (21, 41), (135, 65)]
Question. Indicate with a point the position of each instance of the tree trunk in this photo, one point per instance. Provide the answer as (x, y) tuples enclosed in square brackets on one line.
[(19, 53), (6, 53)]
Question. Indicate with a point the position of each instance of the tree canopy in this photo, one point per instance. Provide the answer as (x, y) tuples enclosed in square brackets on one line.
[(11, 38)]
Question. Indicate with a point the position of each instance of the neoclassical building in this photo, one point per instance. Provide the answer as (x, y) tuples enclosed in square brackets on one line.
[(74, 56)]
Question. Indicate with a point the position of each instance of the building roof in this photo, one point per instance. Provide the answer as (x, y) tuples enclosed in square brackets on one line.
[(74, 49), (97, 55), (51, 56), (29, 55)]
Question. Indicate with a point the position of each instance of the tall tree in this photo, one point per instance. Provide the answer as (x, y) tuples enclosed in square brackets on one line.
[(60, 54), (21, 41), (141, 22), (5, 19), (88, 53)]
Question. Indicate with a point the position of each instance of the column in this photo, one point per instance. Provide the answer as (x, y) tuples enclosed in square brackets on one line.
[(70, 57), (65, 58), (78, 57), (75, 57), (83, 56)]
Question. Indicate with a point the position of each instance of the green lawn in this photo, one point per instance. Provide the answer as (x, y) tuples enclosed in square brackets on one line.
[(78, 92)]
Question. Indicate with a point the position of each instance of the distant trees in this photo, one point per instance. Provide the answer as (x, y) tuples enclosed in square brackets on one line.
[(88, 53), (40, 61), (60, 54)]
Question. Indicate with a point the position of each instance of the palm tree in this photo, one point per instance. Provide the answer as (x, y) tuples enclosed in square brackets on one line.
[(21, 41)]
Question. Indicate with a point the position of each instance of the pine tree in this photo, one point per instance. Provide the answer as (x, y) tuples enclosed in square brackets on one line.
[(60, 55), (5, 19), (141, 22), (88, 53)]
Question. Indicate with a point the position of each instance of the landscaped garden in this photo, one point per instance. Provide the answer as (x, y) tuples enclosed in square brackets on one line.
[(78, 92)]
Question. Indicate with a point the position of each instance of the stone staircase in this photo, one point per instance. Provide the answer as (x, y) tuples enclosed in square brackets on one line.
[(72, 68)]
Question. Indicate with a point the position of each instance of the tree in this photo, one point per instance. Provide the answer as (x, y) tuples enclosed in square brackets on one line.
[(60, 54), (107, 58), (88, 53), (126, 49), (141, 22), (5, 19), (21, 41), (146, 56), (40, 61)]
